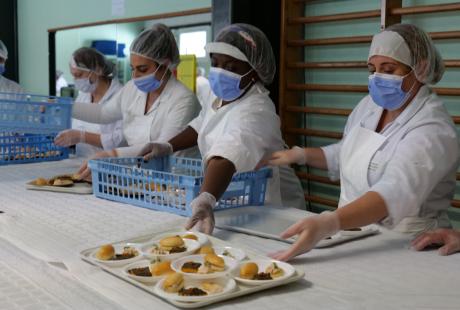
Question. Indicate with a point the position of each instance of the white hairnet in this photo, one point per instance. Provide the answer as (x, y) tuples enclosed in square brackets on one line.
[(3, 50), (247, 43), (412, 46), (158, 44), (90, 59)]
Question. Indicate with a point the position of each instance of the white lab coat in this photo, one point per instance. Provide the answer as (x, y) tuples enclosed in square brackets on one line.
[(414, 168), (9, 86), (203, 90), (169, 115), (111, 134), (244, 132)]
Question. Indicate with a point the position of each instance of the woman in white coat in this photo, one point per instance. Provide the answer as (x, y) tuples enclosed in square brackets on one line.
[(240, 127), (398, 158), (96, 82), (154, 105), (6, 85)]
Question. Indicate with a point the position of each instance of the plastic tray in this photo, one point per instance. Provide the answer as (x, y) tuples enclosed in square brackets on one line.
[(170, 183), (271, 222), (241, 289), (78, 188), (34, 114), (29, 148)]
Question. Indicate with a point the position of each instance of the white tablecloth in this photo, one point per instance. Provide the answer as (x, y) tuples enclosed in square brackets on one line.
[(42, 233)]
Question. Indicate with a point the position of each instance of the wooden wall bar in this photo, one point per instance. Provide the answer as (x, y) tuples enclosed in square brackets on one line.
[(292, 63)]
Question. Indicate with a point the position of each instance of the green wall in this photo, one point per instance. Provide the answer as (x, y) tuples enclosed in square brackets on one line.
[(35, 17)]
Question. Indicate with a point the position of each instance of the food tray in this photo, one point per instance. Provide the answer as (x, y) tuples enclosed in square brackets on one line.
[(34, 114), (241, 289), (82, 188), (272, 221), (170, 183), (18, 148)]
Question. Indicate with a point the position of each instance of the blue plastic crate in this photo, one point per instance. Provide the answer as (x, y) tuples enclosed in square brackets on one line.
[(34, 114), (29, 148), (170, 183)]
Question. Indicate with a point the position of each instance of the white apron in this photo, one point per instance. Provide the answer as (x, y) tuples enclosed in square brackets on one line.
[(356, 153)]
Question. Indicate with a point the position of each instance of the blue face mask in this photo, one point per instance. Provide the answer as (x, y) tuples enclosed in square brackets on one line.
[(2, 69), (226, 84), (386, 91), (149, 82)]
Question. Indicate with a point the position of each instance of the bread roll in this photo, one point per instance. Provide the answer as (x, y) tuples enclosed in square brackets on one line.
[(160, 268), (41, 182), (215, 262), (106, 252), (206, 250), (249, 270), (171, 242), (173, 283)]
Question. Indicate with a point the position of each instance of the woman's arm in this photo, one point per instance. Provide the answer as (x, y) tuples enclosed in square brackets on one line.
[(187, 138), (218, 174)]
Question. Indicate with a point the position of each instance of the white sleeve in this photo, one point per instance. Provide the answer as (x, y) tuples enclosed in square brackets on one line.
[(246, 139), (332, 155), (106, 113), (422, 159), (179, 116), (112, 136)]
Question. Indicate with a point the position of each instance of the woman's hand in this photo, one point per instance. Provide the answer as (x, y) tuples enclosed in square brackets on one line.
[(295, 155), (310, 231), (85, 173), (448, 238), (153, 150), (69, 137), (203, 215)]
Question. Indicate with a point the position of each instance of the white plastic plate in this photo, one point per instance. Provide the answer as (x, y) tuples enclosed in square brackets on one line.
[(190, 244), (176, 265), (82, 188), (231, 252), (202, 238), (141, 264), (119, 250), (227, 284), (263, 264)]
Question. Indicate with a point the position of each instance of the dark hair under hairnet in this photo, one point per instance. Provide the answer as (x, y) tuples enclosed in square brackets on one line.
[(157, 43), (90, 58), (253, 43), (427, 62)]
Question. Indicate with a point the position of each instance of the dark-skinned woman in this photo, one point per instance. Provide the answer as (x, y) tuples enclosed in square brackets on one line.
[(239, 128)]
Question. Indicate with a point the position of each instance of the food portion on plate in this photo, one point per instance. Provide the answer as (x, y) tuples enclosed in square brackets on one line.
[(204, 266), (207, 249), (107, 252), (181, 288), (117, 254), (151, 270), (64, 180), (231, 252), (170, 247), (212, 263), (259, 271)]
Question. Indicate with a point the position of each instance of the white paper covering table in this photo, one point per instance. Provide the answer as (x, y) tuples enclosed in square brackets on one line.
[(378, 272)]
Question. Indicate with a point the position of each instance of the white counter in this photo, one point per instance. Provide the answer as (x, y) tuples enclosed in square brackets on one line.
[(41, 234)]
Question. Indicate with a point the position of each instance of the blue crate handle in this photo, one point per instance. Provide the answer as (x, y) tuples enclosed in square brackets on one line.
[(28, 113)]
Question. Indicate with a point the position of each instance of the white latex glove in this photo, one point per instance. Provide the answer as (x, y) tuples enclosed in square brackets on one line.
[(85, 173), (448, 238), (295, 155), (310, 231), (69, 137), (202, 213), (154, 149)]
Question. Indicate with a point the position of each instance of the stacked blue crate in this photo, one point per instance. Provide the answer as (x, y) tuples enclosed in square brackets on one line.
[(28, 126)]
